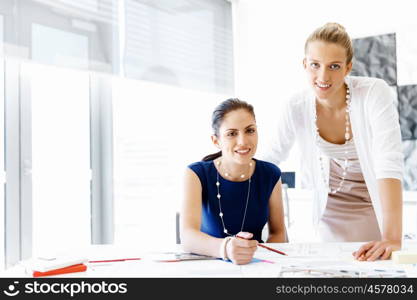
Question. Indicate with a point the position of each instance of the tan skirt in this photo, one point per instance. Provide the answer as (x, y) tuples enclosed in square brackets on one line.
[(349, 215)]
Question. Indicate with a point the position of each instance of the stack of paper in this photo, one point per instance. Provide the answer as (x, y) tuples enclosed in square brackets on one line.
[(47, 266), (405, 257)]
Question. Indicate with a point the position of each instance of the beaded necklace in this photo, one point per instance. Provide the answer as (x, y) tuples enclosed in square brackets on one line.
[(221, 214), (347, 137)]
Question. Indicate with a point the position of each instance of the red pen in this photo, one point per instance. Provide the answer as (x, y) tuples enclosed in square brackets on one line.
[(266, 247)]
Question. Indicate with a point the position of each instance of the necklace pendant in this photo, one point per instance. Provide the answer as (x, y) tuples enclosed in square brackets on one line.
[(347, 136), (225, 230)]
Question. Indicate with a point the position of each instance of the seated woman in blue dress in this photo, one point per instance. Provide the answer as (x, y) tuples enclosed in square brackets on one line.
[(229, 196)]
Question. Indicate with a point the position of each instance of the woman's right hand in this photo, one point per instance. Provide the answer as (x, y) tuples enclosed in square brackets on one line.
[(240, 250)]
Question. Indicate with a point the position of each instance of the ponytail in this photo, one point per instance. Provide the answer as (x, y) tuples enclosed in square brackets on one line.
[(212, 156)]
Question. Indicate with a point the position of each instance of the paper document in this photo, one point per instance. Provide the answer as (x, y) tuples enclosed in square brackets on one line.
[(176, 256)]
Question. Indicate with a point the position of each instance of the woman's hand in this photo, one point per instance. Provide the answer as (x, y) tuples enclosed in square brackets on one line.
[(240, 249), (376, 250)]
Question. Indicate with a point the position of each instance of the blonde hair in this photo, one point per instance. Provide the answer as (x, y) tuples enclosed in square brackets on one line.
[(332, 33)]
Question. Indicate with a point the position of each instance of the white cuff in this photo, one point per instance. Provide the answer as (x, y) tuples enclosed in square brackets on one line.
[(223, 252)]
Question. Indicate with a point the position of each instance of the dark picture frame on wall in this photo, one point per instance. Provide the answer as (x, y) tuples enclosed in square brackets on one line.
[(376, 56)]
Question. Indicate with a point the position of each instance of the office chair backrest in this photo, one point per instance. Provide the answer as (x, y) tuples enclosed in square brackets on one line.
[(288, 178)]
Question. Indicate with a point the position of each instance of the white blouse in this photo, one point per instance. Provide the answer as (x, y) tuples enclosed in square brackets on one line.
[(375, 128), (338, 153)]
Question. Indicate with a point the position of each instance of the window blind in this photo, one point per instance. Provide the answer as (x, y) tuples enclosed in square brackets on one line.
[(186, 43)]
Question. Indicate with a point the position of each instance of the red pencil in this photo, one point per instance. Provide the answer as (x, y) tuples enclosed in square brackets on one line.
[(272, 249), (266, 247)]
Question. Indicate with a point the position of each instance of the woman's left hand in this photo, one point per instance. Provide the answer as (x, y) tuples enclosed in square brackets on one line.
[(376, 250)]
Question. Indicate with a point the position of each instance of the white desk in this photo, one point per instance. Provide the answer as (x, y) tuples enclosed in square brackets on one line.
[(328, 256)]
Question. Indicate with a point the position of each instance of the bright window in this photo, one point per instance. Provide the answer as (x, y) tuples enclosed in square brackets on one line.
[(182, 43), (60, 157), (2, 174), (158, 131), (67, 50)]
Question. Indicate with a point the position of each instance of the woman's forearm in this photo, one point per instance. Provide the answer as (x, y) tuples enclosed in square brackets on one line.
[(278, 237), (390, 191), (201, 243)]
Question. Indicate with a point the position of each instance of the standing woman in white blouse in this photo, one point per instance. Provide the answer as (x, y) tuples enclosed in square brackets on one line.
[(349, 136)]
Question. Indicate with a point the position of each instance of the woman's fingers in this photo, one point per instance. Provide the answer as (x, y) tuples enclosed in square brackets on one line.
[(245, 246), (376, 250), (245, 235), (241, 251), (241, 258), (376, 254), (387, 253), (373, 249), (360, 254), (243, 239)]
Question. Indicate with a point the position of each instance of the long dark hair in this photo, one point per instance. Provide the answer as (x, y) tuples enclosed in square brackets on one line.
[(218, 115)]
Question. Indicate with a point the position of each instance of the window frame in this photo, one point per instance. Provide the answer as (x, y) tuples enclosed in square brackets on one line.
[(14, 229)]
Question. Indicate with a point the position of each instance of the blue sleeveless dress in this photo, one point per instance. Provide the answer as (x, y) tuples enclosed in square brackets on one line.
[(233, 199)]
